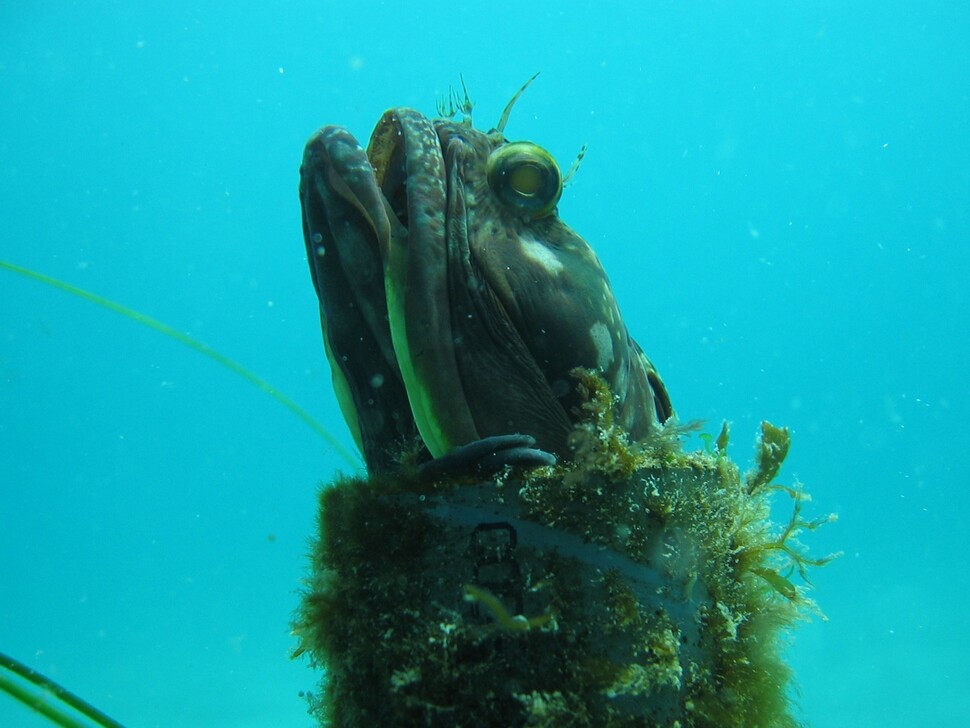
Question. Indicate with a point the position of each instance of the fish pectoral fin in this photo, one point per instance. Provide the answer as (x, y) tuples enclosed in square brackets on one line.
[(487, 456)]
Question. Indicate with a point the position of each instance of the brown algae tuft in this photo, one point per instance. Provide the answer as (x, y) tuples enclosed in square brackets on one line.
[(637, 585)]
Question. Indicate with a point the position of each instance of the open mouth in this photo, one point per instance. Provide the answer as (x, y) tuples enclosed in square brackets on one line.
[(394, 181), (406, 151)]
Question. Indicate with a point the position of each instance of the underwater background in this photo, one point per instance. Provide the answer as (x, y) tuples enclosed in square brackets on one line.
[(779, 193)]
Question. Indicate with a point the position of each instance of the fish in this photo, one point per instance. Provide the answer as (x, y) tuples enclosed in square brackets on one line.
[(456, 306)]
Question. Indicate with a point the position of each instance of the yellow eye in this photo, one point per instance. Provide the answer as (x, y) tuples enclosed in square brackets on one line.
[(526, 177)]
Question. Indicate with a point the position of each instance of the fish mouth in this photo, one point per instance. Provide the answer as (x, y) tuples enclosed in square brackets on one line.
[(409, 154), (387, 153)]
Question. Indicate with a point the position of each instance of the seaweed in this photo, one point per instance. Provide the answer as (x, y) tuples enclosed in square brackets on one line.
[(663, 592), (47, 698), (192, 343)]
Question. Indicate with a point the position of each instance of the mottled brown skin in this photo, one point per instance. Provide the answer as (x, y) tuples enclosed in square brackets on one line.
[(446, 311)]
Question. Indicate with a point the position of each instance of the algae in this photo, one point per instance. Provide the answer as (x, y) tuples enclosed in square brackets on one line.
[(636, 585)]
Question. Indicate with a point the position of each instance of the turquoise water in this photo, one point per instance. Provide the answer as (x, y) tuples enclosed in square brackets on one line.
[(779, 195)]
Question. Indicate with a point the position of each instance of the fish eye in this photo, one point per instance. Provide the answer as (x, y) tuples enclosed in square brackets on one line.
[(525, 177)]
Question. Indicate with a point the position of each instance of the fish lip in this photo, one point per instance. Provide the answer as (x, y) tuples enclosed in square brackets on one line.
[(413, 173), (401, 132), (385, 146), (388, 150)]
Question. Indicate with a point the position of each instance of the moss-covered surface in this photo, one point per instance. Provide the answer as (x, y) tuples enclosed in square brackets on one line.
[(640, 587)]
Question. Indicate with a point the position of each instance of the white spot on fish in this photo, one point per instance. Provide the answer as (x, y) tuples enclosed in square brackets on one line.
[(539, 253), (603, 342)]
